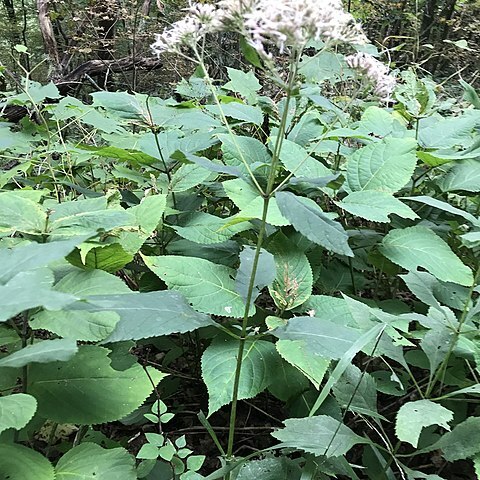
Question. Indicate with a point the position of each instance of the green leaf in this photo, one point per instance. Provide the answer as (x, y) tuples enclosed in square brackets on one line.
[(44, 351), (21, 463), (320, 337), (297, 354), (264, 275), (77, 325), (219, 362), (18, 214), (189, 176), (244, 83), (238, 111), (287, 381), (358, 391), (253, 151), (31, 289), (16, 411), (294, 279), (438, 132), (145, 315), (89, 461), (418, 246), (375, 206), (463, 176), (87, 390), (210, 288), (296, 159), (206, 229), (462, 442), (470, 94), (271, 468), (320, 435), (33, 255), (386, 166), (412, 417), (309, 219), (250, 203)]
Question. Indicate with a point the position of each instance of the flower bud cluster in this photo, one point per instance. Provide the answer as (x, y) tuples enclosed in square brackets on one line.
[(283, 23), (376, 71)]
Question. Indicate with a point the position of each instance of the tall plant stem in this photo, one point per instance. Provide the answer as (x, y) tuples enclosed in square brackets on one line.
[(261, 235)]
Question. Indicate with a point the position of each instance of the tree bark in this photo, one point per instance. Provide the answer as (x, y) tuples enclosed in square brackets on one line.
[(49, 39)]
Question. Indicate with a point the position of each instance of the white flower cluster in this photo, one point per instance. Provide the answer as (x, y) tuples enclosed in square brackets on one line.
[(284, 23), (376, 71)]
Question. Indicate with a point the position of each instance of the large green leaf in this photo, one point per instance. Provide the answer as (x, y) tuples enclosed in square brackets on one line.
[(464, 175), (210, 288), (244, 83), (21, 463), (87, 390), (320, 337), (238, 111), (296, 159), (375, 206), (357, 391), (272, 468), (253, 152), (77, 325), (412, 417), (189, 176), (462, 442), (294, 279), (219, 363), (418, 246), (89, 461), (250, 203), (31, 289), (16, 410), (297, 354), (320, 435), (386, 166), (33, 255), (206, 229), (264, 274), (145, 315), (18, 214), (309, 219), (44, 351)]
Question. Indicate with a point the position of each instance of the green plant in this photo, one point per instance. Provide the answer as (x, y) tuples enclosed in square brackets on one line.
[(314, 256)]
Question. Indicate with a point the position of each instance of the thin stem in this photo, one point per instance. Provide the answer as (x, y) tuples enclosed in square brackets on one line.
[(443, 367), (266, 199)]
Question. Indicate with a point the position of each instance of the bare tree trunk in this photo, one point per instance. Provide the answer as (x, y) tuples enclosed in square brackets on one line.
[(49, 39), (428, 20)]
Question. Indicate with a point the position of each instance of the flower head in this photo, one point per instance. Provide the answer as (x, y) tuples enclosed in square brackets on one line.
[(376, 71), (283, 23)]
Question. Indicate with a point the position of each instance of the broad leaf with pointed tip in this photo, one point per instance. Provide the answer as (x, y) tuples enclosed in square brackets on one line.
[(87, 390), (418, 246), (89, 461), (412, 417), (16, 411), (21, 463), (219, 364)]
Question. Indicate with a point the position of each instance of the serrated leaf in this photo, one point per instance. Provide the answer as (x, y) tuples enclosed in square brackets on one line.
[(18, 214), (294, 279), (16, 411), (412, 417), (145, 315), (218, 370), (244, 83), (358, 391), (297, 354), (462, 442), (309, 219), (238, 111), (89, 461), (21, 463), (320, 337), (375, 206), (188, 176), (386, 166), (87, 390), (210, 288), (264, 276), (462, 176), (320, 435), (273, 468), (418, 246), (250, 203), (44, 351), (206, 229)]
